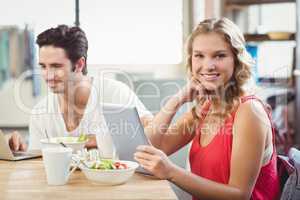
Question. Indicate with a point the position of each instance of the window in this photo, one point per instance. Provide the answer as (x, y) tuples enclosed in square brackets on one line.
[(119, 32), (38, 14), (133, 31)]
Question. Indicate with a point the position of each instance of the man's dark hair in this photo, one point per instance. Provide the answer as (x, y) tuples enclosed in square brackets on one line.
[(72, 39)]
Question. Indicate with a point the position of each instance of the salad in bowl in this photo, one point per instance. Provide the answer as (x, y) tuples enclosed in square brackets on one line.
[(105, 171)]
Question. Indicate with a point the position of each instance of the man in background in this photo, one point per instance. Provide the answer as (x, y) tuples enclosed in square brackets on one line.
[(71, 107)]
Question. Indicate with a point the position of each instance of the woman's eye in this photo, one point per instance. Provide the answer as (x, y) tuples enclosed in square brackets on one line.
[(198, 55), (220, 56)]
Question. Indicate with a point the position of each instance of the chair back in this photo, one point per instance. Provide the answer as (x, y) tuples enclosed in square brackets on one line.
[(289, 173)]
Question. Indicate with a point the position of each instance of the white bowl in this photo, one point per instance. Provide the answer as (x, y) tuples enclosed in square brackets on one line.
[(71, 142), (110, 176)]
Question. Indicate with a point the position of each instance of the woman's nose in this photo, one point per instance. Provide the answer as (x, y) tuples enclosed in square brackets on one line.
[(210, 64)]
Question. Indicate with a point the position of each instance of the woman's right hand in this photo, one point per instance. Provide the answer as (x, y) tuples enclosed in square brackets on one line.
[(190, 91)]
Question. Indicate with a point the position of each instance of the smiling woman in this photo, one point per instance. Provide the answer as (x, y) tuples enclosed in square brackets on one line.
[(212, 60), (232, 154)]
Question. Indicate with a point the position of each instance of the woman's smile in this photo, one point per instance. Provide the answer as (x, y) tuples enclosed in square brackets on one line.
[(210, 76)]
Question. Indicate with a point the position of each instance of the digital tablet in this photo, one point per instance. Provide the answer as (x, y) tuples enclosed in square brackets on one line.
[(126, 130)]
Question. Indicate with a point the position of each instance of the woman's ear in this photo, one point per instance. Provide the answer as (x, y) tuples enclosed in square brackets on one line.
[(80, 64)]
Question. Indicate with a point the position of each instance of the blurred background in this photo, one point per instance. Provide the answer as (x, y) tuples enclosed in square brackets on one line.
[(141, 43)]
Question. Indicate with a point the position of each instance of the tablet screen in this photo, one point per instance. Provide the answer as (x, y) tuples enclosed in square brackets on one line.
[(125, 128)]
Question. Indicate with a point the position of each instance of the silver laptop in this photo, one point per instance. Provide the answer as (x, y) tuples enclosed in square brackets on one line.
[(7, 154), (126, 131)]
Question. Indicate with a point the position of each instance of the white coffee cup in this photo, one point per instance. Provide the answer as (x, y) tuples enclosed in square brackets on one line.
[(57, 163)]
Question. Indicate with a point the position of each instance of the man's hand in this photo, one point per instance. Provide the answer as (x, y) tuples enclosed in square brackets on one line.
[(16, 142), (92, 142)]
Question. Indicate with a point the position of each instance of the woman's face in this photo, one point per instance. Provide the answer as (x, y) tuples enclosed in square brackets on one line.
[(212, 60)]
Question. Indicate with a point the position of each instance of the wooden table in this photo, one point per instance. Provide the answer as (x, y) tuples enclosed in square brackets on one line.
[(27, 180)]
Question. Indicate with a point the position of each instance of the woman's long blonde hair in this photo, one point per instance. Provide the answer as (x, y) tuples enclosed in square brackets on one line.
[(242, 59)]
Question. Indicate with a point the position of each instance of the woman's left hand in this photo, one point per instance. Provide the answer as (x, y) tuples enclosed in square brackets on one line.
[(154, 161)]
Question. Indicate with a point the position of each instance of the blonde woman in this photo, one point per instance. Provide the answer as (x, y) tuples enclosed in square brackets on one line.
[(232, 154)]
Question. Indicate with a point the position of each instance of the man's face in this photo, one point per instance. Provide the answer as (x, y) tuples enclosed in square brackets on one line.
[(56, 68)]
